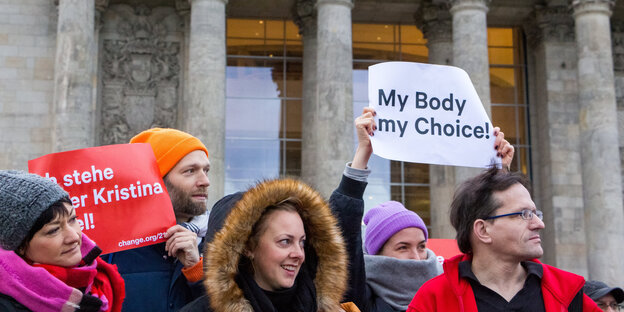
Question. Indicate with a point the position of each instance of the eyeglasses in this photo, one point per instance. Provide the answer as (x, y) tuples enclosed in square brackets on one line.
[(527, 214), (604, 306)]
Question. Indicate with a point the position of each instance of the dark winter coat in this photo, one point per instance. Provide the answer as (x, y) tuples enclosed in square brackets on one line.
[(325, 264), (154, 281), (8, 304)]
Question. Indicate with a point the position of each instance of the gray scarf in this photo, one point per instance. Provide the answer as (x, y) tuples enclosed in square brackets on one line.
[(396, 281), (198, 225)]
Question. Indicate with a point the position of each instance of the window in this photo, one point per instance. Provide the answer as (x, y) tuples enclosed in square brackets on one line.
[(404, 182), (263, 101), (507, 81)]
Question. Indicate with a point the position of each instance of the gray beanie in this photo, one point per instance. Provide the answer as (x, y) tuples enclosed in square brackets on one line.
[(23, 197)]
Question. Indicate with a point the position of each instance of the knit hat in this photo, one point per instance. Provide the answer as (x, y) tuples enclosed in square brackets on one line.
[(596, 290), (387, 219), (169, 145), (23, 197)]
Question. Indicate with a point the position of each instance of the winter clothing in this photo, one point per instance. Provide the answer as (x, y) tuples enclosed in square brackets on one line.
[(322, 279), (387, 219), (169, 145), (596, 290), (154, 281), (23, 197), (395, 281), (448, 292), (198, 225), (370, 275), (92, 286)]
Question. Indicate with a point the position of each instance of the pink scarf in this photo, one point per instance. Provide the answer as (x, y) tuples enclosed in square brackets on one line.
[(36, 288)]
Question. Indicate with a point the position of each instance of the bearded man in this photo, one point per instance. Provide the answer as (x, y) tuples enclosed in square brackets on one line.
[(167, 276)]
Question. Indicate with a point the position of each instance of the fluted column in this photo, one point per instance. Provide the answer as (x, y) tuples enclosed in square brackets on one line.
[(74, 76), (204, 113), (434, 20), (470, 53), (558, 180), (470, 47), (332, 114), (183, 7), (305, 18), (602, 181)]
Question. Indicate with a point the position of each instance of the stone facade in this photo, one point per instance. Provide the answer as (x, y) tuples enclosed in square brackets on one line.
[(27, 56), (75, 74)]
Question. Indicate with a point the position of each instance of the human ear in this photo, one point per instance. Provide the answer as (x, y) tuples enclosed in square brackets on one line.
[(480, 229)]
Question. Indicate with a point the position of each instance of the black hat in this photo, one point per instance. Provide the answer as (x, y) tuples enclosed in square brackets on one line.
[(596, 290)]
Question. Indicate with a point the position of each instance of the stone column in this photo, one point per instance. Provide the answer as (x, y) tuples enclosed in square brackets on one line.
[(557, 181), (183, 7), (435, 23), (470, 47), (602, 182), (100, 9), (74, 76), (204, 114), (332, 114), (305, 18), (470, 53)]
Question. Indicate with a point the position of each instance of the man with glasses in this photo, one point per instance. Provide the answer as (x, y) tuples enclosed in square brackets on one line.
[(498, 230), (607, 298)]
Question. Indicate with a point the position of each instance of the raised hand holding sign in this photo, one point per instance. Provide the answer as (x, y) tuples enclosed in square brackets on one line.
[(429, 114)]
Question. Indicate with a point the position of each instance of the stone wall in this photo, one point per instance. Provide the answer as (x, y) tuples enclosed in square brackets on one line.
[(27, 51)]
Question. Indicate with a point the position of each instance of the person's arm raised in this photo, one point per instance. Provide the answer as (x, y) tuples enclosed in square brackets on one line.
[(364, 127)]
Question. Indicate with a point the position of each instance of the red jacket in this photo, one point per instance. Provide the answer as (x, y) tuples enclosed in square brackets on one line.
[(447, 292)]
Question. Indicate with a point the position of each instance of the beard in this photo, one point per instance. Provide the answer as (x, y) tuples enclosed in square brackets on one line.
[(182, 202)]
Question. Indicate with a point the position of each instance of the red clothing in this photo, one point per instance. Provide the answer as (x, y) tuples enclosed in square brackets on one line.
[(101, 279), (109, 283), (447, 292)]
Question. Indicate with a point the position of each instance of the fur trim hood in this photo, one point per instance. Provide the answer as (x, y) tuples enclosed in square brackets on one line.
[(243, 210)]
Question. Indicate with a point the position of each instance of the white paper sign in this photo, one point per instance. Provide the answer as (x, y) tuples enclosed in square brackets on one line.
[(429, 114)]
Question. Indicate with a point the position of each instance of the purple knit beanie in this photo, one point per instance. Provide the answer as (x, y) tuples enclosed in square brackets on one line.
[(387, 219)]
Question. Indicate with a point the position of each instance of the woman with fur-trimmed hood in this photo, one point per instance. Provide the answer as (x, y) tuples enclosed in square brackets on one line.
[(276, 247)]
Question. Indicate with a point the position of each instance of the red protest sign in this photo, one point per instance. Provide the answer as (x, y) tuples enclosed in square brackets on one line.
[(120, 199), (443, 248)]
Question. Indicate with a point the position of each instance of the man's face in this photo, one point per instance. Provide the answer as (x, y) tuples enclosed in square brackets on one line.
[(607, 303), (187, 184), (514, 238)]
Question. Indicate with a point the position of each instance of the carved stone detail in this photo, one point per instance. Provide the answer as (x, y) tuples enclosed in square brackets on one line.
[(304, 15), (466, 4), (140, 71), (435, 21), (553, 24), (183, 6), (617, 41), (610, 3)]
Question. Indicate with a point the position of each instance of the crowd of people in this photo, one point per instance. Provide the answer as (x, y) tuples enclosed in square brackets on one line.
[(280, 246)]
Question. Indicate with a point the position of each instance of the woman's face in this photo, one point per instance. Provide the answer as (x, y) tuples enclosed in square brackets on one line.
[(408, 243), (57, 242), (279, 254)]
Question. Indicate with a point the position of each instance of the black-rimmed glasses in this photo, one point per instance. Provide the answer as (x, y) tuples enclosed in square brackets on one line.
[(604, 306), (527, 214)]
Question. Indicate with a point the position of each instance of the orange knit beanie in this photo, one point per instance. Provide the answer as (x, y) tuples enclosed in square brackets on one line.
[(169, 145)]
